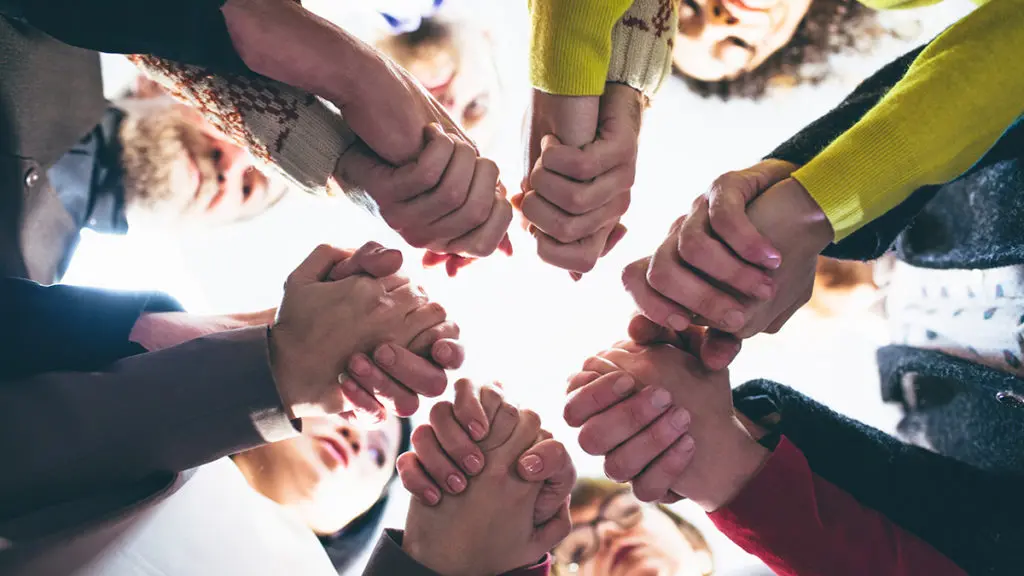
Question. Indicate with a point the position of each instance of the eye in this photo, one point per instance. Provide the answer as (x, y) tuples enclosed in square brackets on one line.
[(476, 109), (739, 42), (378, 456), (689, 9)]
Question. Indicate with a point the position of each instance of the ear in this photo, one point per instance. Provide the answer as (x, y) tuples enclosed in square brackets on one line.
[(147, 88)]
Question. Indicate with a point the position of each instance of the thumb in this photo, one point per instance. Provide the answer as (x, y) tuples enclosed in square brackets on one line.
[(372, 259), (318, 265), (548, 461), (549, 534)]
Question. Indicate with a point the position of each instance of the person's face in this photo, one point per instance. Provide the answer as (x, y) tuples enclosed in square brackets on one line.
[(621, 536), (457, 67), (330, 474), (721, 39), (179, 170)]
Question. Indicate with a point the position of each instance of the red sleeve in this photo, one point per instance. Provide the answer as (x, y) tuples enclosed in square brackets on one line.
[(798, 523)]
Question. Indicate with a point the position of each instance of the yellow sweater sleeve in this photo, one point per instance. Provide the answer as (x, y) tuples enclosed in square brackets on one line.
[(570, 44), (958, 97)]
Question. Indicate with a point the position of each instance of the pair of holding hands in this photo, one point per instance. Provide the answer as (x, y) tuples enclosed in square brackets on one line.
[(741, 262)]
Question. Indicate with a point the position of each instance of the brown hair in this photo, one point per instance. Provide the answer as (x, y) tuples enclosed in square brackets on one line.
[(830, 27), (587, 491)]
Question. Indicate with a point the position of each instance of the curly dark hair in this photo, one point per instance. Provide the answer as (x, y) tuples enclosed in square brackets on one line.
[(830, 27)]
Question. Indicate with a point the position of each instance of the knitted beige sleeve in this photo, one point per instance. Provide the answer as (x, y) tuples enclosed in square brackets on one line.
[(642, 43), (289, 131)]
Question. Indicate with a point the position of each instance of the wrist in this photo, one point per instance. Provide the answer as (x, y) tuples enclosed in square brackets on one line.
[(742, 460), (808, 214), (264, 32), (426, 555)]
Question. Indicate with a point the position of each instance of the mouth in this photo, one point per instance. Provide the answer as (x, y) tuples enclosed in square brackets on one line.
[(334, 452), (744, 6), (623, 553)]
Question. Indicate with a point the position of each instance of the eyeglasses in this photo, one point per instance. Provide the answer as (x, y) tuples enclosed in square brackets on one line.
[(584, 541)]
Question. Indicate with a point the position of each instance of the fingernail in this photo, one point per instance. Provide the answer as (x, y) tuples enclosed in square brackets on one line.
[(532, 464), (687, 443), (764, 291), (360, 366), (680, 420), (456, 484), (661, 398), (678, 323), (623, 386), (772, 261), (385, 355), (472, 464), (432, 496), (444, 352), (477, 430), (348, 384), (733, 320)]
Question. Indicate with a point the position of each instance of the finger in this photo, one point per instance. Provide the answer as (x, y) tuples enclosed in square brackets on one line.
[(413, 218), (456, 263), (728, 199), (631, 458), (781, 319), (435, 462), (454, 440), (575, 197), (423, 343), (548, 461), (503, 425), (718, 349), (673, 280), (361, 400), (425, 317), (491, 399), (650, 302), (484, 239), (580, 379), (616, 236), (385, 390), (476, 205), (415, 373), (415, 479), (569, 227), (601, 394), (579, 256), (317, 265), (505, 246), (696, 246), (425, 173), (599, 365), (448, 354), (555, 530), (611, 151), (643, 331), (603, 432), (522, 438), (670, 498), (469, 411), (431, 259), (371, 258), (654, 482)]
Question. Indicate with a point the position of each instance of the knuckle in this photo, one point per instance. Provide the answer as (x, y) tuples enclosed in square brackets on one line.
[(439, 413), (658, 276), (576, 200), (613, 469), (644, 492), (590, 441), (422, 437)]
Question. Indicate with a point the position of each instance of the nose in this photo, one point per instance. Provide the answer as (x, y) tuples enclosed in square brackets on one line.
[(608, 532), (719, 15), (235, 170), (352, 436)]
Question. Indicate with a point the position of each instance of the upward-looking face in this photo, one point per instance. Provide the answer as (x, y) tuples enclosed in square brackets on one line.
[(721, 39), (621, 536), (179, 170), (330, 474), (457, 65)]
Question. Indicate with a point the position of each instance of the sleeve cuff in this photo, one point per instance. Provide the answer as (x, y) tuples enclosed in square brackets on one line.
[(570, 44), (750, 508), (641, 55), (862, 175)]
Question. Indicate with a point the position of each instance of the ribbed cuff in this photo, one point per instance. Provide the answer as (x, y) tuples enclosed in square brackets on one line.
[(570, 44), (861, 175), (642, 45)]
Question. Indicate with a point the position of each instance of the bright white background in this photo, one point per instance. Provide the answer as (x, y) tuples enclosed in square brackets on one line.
[(524, 323)]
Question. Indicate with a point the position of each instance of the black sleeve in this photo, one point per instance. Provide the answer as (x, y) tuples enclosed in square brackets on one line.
[(188, 31), (966, 513), (56, 328), (874, 239)]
